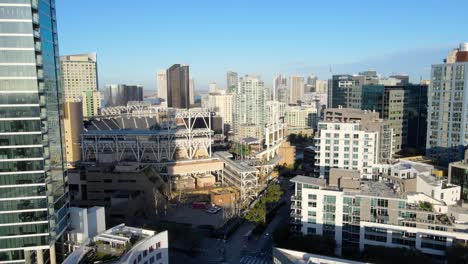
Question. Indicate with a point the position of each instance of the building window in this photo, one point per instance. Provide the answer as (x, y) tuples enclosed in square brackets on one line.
[(159, 256)]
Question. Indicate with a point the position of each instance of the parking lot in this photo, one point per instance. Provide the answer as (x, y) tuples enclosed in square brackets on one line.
[(184, 213)]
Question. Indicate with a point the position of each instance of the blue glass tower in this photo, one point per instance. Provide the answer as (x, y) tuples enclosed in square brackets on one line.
[(33, 189)]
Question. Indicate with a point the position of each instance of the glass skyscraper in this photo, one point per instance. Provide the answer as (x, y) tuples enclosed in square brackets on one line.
[(34, 193)]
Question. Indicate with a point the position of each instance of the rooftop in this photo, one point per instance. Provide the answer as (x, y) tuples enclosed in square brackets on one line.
[(240, 166), (378, 189), (309, 180)]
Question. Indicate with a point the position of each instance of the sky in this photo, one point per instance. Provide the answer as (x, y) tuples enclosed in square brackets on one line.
[(134, 39)]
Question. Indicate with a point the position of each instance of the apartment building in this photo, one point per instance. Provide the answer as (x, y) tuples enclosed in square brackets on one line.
[(352, 139), (397, 210)]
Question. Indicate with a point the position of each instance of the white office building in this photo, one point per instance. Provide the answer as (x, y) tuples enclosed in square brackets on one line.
[(352, 139), (447, 124)]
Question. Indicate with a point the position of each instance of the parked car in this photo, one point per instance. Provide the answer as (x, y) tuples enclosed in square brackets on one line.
[(213, 210)]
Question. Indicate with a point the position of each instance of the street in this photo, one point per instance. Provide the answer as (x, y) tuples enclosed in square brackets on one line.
[(236, 249)]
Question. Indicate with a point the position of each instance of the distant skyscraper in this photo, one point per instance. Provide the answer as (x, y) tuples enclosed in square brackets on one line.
[(79, 79), (192, 91), (296, 89), (447, 133), (178, 86), (213, 88), (161, 82), (232, 81), (311, 84), (121, 94), (279, 82), (404, 78), (249, 116), (34, 193), (321, 86)]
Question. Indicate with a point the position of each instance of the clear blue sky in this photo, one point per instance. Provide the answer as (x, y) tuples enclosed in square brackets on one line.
[(134, 39)]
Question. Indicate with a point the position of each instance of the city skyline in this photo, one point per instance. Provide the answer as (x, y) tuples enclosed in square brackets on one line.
[(383, 45)]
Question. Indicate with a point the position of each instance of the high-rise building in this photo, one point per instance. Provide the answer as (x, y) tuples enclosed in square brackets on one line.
[(121, 94), (222, 105), (391, 104), (296, 89), (178, 86), (321, 86), (249, 115), (311, 84), (232, 81), (161, 82), (345, 91), (79, 79), (280, 82), (34, 202), (447, 133), (73, 126), (192, 91), (352, 139), (213, 87), (416, 110)]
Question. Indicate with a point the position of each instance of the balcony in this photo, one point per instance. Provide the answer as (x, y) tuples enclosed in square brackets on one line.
[(296, 198), (37, 46), (296, 215), (295, 221), (35, 19), (295, 206), (39, 61), (36, 34)]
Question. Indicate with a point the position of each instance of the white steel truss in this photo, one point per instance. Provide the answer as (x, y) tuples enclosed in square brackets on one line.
[(186, 135)]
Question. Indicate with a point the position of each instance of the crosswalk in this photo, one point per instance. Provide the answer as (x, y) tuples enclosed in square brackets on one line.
[(256, 260)]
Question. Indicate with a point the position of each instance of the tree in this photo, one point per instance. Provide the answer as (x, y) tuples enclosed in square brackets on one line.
[(257, 215), (273, 194)]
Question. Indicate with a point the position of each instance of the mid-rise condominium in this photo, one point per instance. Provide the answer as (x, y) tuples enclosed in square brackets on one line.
[(79, 80), (352, 139), (447, 132), (34, 197), (405, 206)]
